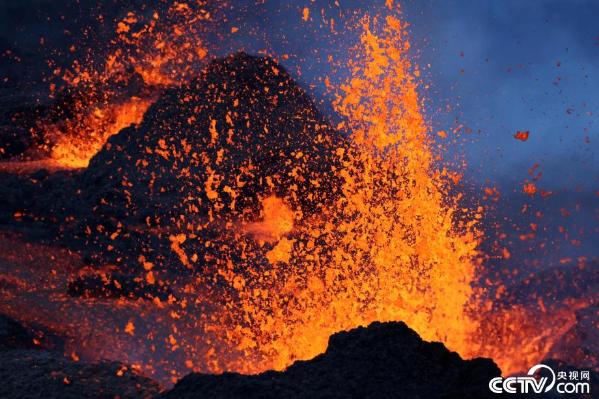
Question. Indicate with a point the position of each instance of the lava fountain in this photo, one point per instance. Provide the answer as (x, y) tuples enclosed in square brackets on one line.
[(386, 243), (265, 235)]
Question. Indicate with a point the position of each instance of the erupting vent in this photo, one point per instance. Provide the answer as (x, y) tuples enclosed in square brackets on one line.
[(226, 225)]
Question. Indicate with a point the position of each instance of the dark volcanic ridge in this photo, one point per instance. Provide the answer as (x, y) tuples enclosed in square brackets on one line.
[(383, 360), (27, 370), (243, 129)]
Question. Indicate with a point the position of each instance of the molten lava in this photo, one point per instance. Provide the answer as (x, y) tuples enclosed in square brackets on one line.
[(277, 220), (276, 238), (390, 248), (93, 131), (148, 55)]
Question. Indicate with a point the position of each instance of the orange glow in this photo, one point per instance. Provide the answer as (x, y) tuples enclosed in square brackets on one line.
[(277, 220), (520, 336), (305, 14), (394, 246), (93, 130), (522, 135), (529, 188), (390, 248), (162, 53)]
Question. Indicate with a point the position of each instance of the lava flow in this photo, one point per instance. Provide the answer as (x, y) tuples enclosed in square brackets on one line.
[(227, 226)]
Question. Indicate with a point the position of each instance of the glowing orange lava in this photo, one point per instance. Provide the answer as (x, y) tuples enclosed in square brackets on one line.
[(149, 54), (276, 282), (277, 220), (93, 130), (390, 248)]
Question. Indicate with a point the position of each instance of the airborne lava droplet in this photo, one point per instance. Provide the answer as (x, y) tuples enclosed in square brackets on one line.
[(277, 220), (522, 135), (530, 189), (130, 328), (306, 14)]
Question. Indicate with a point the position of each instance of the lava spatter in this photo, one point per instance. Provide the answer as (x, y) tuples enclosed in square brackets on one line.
[(226, 225), (149, 54), (290, 230)]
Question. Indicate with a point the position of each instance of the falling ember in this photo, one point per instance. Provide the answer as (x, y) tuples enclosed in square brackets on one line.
[(306, 14), (522, 135), (530, 189)]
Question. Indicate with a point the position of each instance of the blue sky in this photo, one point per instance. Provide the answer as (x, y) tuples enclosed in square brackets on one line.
[(517, 65), (493, 66)]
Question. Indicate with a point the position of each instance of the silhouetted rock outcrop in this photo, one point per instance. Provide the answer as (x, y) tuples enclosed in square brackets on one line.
[(43, 374), (384, 360), (13, 335)]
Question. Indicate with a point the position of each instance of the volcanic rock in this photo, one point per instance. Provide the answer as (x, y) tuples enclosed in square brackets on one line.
[(383, 360), (204, 157), (13, 335), (44, 374), (27, 372)]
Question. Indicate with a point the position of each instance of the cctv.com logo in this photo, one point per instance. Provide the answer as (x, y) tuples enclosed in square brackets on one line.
[(572, 382)]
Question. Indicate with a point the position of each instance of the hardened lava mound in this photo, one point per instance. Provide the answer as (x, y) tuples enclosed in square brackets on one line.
[(383, 360)]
